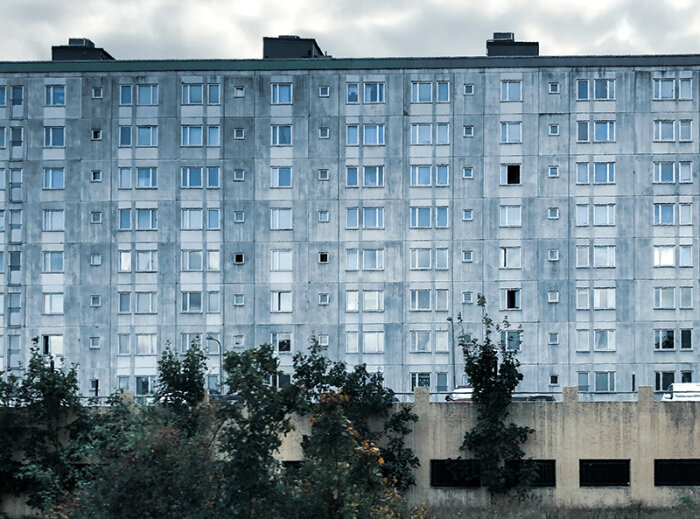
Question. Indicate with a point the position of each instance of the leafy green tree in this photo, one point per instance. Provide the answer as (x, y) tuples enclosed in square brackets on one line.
[(181, 381), (493, 371)]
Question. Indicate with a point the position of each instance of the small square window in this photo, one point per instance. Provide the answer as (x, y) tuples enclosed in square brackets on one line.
[(468, 172), (324, 299), (238, 91), (97, 93), (95, 217), (323, 257), (469, 131), (238, 299), (95, 301), (552, 338), (238, 175), (238, 258), (238, 133), (553, 87), (95, 260), (324, 133), (96, 176), (553, 213), (95, 343), (96, 135), (324, 216), (323, 174), (467, 298), (238, 216), (553, 296), (324, 91), (553, 380), (554, 129), (467, 256), (553, 171), (468, 89), (553, 255), (467, 215)]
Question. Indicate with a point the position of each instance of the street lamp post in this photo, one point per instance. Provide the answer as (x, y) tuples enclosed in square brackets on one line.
[(452, 353), (221, 359)]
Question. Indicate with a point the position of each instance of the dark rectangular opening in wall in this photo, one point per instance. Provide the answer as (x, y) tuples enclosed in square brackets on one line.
[(545, 475), (513, 173), (676, 473), (454, 473), (604, 473)]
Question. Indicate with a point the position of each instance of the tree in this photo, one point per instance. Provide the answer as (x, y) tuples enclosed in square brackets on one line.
[(493, 371)]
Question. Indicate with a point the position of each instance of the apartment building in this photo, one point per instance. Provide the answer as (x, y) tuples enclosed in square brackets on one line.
[(363, 201)]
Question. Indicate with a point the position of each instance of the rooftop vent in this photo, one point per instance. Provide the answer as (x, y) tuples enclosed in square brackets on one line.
[(290, 46), (79, 49), (504, 44)]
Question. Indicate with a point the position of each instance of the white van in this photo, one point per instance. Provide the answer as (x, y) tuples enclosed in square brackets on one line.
[(683, 392)]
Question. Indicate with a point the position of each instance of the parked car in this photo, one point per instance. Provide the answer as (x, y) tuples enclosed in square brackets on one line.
[(533, 398), (460, 394), (683, 392)]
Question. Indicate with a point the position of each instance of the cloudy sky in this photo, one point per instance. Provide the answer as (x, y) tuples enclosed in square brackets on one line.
[(159, 29)]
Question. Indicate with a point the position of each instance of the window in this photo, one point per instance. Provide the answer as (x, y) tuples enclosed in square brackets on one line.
[(554, 130), (280, 301), (53, 262), (604, 131), (467, 298), (323, 174), (191, 260), (441, 217), (664, 297), (96, 135), (553, 296), (3, 95), (95, 301), (145, 344), (124, 305), (373, 259), (604, 214), (280, 219), (664, 89), (145, 385), (510, 299), (146, 178), (685, 88), (125, 136), (582, 90), (55, 95), (685, 130), (281, 94), (147, 94), (663, 214), (281, 177), (677, 473), (511, 339), (604, 340), (191, 219), (468, 130), (191, 302), (664, 256), (685, 256), (125, 95), (53, 178), (442, 259), (686, 339), (352, 218), (146, 303), (441, 175), (511, 91), (373, 176), (604, 173), (324, 217), (191, 136), (663, 131), (238, 299), (352, 301), (146, 261), (603, 298), (420, 259), (147, 136), (552, 338), (53, 304), (664, 339), (192, 94), (553, 87), (604, 89), (686, 297), (582, 299), (421, 133), (467, 215), (553, 255), (420, 299), (420, 341), (553, 213), (95, 259), (604, 381), (213, 94), (324, 299), (54, 137), (373, 218), (603, 256), (213, 260), (664, 172), (421, 176), (468, 172), (510, 257), (582, 131), (604, 473), (95, 217), (420, 217), (663, 380), (443, 92), (213, 135), (510, 133), (467, 256), (192, 177), (281, 134), (373, 134), (468, 89), (238, 134), (324, 133), (324, 91), (213, 218), (553, 171), (281, 261), (53, 220), (510, 216), (510, 174), (685, 214), (323, 257), (374, 92), (238, 175), (238, 91), (372, 300)]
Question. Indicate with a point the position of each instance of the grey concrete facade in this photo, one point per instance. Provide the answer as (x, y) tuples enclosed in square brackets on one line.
[(583, 308)]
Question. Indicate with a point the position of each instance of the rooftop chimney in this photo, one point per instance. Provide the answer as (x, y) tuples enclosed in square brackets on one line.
[(504, 44), (79, 49), (290, 46)]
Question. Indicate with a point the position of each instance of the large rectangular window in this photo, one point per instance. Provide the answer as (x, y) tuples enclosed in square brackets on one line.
[(677, 473), (604, 473), (453, 473)]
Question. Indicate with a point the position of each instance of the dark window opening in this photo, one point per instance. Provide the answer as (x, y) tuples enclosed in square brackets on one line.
[(545, 472), (513, 299), (284, 345), (686, 377), (513, 174), (238, 258), (664, 379), (94, 387), (282, 379), (604, 473), (674, 473), (323, 257), (686, 339), (454, 473)]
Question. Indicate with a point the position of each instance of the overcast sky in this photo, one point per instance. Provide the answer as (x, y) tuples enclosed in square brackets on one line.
[(160, 29)]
